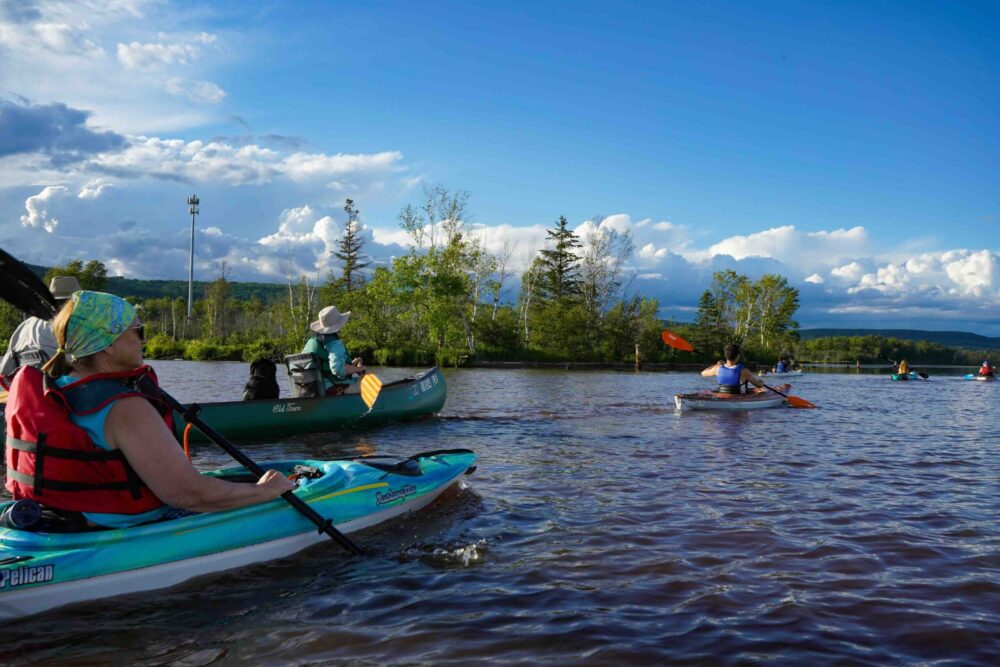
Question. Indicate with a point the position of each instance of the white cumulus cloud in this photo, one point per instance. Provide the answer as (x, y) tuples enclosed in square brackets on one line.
[(37, 207), (94, 188), (791, 246), (851, 272), (158, 55), (217, 161), (194, 90)]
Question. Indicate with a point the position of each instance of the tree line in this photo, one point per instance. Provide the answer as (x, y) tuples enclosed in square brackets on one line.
[(451, 300)]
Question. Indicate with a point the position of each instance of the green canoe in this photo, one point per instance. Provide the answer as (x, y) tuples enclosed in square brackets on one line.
[(410, 398)]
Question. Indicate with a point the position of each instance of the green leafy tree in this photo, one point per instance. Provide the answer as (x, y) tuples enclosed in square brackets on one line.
[(758, 315), (92, 276), (710, 331), (217, 305)]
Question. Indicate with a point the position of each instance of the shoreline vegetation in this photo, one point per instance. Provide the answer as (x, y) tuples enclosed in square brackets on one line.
[(452, 302)]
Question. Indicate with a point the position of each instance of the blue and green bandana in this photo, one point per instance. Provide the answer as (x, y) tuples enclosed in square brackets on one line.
[(97, 321)]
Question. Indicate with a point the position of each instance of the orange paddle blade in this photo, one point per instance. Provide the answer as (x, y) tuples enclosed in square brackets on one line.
[(797, 402), (673, 340), (370, 387)]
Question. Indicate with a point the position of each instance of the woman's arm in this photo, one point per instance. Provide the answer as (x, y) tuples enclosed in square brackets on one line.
[(338, 361), (134, 427)]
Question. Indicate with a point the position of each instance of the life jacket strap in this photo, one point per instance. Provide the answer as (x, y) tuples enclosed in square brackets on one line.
[(59, 452), (57, 485), (42, 450)]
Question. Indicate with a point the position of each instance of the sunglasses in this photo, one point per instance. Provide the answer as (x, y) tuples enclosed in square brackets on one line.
[(140, 329)]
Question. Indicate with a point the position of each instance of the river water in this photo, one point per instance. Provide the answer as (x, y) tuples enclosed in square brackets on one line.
[(602, 527)]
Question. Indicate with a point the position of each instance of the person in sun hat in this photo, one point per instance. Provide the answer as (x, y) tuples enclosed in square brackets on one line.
[(986, 370), (341, 375), (32, 341), (110, 457)]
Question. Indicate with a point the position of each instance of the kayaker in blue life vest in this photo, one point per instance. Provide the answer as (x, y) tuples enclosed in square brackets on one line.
[(341, 375), (986, 370), (107, 448), (732, 375), (782, 366)]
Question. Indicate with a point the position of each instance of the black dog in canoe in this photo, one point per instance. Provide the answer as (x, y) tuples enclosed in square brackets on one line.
[(263, 383)]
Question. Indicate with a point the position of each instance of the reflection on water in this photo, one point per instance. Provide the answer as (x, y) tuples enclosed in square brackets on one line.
[(604, 527)]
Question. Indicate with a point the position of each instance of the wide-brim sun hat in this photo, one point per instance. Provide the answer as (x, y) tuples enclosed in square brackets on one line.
[(62, 287), (330, 320)]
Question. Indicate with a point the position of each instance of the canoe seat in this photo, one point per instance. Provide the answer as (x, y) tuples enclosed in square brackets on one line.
[(304, 375)]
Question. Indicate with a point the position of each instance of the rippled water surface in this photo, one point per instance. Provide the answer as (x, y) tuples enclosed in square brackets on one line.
[(603, 527)]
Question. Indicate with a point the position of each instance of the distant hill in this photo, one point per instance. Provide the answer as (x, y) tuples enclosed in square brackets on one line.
[(155, 289), (946, 338)]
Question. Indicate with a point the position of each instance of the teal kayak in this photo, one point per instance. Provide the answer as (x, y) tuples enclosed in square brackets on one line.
[(981, 378), (43, 570), (905, 376)]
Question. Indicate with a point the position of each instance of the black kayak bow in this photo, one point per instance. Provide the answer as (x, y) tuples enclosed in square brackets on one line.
[(24, 290)]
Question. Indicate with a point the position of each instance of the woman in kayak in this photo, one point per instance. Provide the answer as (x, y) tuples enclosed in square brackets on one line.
[(339, 376), (904, 368), (733, 376), (112, 455)]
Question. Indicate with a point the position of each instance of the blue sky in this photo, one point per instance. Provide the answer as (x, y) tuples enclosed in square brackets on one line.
[(850, 146)]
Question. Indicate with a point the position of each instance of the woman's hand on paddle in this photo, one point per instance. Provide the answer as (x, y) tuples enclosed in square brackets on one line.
[(273, 484)]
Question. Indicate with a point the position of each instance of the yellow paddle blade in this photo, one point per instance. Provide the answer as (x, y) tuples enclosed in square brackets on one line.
[(370, 387), (3, 396)]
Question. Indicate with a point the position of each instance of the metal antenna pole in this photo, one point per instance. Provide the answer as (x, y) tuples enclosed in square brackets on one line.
[(193, 210)]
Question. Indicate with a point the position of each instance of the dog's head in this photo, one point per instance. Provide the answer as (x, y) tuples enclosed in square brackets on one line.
[(263, 368)]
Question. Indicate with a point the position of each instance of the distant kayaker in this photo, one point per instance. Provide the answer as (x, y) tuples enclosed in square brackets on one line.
[(986, 370), (339, 376), (732, 375), (904, 368), (33, 341), (102, 432)]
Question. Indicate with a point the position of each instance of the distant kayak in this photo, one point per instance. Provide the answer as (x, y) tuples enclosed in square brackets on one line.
[(712, 400), (905, 376), (981, 378), (795, 372)]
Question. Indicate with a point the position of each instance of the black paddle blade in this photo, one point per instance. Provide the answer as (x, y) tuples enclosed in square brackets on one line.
[(21, 288)]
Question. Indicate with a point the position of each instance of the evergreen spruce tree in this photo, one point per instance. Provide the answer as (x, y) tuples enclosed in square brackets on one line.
[(349, 252), (559, 265)]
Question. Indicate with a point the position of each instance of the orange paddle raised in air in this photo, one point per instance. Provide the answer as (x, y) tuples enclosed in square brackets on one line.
[(673, 340)]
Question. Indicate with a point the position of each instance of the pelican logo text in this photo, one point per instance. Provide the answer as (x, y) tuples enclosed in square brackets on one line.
[(28, 574), (394, 494), (285, 407)]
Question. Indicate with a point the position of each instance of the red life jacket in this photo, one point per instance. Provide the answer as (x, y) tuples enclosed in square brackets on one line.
[(53, 461)]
